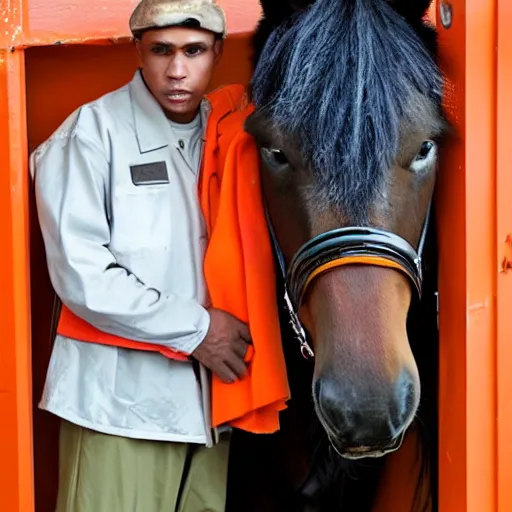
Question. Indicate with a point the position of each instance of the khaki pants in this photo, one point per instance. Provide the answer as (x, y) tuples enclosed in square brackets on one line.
[(103, 473)]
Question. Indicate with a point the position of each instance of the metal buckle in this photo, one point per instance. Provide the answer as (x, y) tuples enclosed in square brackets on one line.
[(305, 349)]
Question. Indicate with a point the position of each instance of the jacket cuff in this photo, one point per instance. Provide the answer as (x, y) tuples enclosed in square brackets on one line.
[(203, 325)]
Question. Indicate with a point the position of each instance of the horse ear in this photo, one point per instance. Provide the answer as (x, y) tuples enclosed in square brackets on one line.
[(276, 11), (412, 10)]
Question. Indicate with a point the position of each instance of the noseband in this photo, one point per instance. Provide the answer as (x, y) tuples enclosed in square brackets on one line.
[(340, 247)]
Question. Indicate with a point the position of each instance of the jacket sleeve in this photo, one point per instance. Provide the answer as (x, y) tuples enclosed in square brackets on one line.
[(71, 173)]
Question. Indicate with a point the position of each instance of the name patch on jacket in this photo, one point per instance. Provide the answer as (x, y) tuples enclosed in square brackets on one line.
[(154, 173)]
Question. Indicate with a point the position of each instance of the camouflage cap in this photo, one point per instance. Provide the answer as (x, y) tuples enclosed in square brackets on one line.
[(205, 14)]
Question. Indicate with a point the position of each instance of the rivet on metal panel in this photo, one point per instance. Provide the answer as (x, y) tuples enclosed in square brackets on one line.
[(506, 262), (446, 14)]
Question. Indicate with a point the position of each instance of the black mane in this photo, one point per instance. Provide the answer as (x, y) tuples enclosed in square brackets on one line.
[(363, 72)]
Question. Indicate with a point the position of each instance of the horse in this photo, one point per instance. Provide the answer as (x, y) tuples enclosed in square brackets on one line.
[(349, 123)]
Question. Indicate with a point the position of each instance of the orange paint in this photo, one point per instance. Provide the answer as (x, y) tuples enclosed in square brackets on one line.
[(15, 373), (467, 254), (77, 21), (504, 232), (16, 470)]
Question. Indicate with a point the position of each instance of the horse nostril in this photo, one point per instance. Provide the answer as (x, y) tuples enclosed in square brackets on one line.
[(325, 398), (406, 400), (335, 410)]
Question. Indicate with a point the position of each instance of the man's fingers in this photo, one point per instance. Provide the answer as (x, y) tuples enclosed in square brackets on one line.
[(241, 347), (225, 373), (237, 365), (245, 334)]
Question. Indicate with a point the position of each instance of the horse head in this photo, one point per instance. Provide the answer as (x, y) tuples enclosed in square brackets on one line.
[(348, 116)]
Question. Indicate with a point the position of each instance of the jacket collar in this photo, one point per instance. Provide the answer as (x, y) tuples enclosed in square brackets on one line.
[(151, 125)]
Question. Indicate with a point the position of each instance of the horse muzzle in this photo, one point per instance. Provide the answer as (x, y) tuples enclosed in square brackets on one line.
[(363, 421)]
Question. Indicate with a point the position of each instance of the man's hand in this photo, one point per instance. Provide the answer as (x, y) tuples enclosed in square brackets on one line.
[(224, 347)]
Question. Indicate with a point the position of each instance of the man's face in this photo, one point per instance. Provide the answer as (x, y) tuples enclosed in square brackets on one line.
[(177, 65)]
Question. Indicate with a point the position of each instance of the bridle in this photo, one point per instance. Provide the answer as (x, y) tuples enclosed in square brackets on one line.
[(340, 247)]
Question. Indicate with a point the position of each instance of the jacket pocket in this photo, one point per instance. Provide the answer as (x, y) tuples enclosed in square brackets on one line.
[(141, 218)]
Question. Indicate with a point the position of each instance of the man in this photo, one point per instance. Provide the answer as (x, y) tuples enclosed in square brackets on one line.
[(116, 190)]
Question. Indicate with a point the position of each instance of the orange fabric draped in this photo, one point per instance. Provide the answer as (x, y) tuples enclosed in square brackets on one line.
[(239, 271)]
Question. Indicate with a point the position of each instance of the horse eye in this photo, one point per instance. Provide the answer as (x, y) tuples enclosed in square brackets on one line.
[(424, 157), (274, 157), (426, 147)]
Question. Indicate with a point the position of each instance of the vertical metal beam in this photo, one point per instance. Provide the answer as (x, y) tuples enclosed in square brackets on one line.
[(504, 248), (467, 252), (16, 472)]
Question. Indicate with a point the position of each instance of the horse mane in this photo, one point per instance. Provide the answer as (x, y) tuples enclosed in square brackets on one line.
[(363, 72)]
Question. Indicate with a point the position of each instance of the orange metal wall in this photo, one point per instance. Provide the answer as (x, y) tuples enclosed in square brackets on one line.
[(474, 221), (504, 248), (61, 20), (474, 217), (15, 377)]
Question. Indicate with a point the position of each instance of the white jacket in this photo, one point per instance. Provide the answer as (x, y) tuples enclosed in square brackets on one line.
[(125, 249)]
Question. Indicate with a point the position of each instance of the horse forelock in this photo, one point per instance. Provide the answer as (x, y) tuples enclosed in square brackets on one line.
[(343, 77)]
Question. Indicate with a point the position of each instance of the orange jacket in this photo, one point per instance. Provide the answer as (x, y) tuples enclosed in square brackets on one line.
[(238, 241)]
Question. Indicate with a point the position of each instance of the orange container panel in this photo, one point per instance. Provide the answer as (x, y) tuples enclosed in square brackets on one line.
[(78, 21), (467, 256), (15, 374), (504, 248)]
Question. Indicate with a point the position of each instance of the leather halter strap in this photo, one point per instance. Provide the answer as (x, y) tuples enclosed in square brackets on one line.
[(351, 246), (339, 247)]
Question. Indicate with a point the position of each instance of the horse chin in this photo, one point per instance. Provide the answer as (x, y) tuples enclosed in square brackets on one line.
[(365, 452)]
